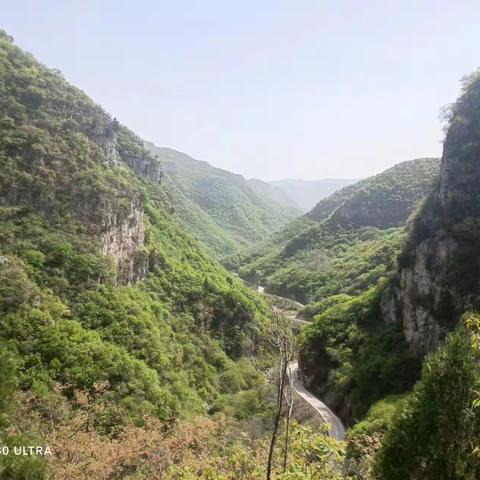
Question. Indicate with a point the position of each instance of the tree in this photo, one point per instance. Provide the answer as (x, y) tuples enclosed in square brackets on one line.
[(284, 344), (437, 432)]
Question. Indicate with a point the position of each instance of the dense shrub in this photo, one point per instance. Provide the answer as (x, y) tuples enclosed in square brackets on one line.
[(436, 433)]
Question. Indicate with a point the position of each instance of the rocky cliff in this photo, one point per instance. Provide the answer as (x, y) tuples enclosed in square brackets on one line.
[(439, 270), (65, 159)]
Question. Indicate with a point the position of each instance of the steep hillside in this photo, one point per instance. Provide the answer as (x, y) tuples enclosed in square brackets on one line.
[(306, 193), (339, 261), (245, 214), (357, 229), (214, 238), (361, 348), (109, 310), (382, 201), (438, 278)]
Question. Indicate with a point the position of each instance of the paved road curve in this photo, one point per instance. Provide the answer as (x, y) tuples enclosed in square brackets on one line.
[(337, 430)]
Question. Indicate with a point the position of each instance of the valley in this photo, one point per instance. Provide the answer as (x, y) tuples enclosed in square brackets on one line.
[(160, 317)]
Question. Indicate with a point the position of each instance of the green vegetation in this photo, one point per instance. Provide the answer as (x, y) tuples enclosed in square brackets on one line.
[(12, 467), (153, 328), (220, 208), (123, 346), (354, 358), (436, 432), (384, 200), (61, 301), (213, 237), (364, 439), (307, 193), (348, 242), (338, 259), (445, 237), (131, 352), (312, 456), (357, 357)]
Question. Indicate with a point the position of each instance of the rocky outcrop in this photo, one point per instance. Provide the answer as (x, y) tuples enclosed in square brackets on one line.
[(119, 148), (108, 143), (122, 238), (145, 166), (384, 213), (439, 270), (420, 297)]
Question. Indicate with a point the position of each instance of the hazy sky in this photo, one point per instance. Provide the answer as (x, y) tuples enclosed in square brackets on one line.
[(269, 89)]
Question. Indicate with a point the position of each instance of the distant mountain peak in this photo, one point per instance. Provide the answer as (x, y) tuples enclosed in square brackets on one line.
[(307, 193)]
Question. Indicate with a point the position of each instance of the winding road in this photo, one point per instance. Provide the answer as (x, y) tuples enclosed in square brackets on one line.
[(337, 429)]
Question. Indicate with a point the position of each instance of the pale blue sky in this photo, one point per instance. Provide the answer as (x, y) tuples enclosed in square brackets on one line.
[(269, 89)]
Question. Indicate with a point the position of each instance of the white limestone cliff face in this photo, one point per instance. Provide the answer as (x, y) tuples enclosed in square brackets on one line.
[(122, 238), (108, 144), (138, 159)]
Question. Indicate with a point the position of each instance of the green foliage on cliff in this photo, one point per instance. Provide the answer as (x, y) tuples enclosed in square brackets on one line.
[(434, 433), (384, 200), (446, 233), (354, 359), (118, 332)]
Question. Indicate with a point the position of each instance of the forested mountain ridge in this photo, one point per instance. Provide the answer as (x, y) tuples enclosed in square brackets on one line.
[(316, 255), (110, 312), (338, 262), (383, 201), (275, 194), (133, 354), (245, 212)]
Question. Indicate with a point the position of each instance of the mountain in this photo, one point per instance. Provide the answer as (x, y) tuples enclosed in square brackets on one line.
[(382, 201), (306, 193), (243, 211), (338, 261), (132, 353), (432, 430), (114, 320), (309, 258)]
